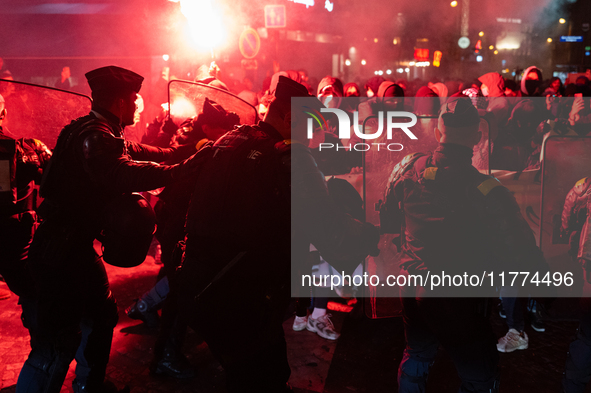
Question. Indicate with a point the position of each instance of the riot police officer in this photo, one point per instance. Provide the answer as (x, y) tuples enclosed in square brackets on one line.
[(92, 167), (452, 217), (238, 245), (18, 218)]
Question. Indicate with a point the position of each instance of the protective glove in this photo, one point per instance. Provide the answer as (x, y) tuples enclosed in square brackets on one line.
[(169, 127), (191, 166)]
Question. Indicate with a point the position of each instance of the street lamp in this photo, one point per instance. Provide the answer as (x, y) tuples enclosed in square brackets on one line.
[(363, 62), (481, 33), (347, 62), (454, 3), (491, 47), (549, 40), (562, 21)]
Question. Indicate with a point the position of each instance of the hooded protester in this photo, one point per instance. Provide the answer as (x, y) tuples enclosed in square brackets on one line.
[(441, 90), (390, 97), (513, 147), (329, 91), (269, 92), (493, 87), (352, 90), (426, 103), (373, 84), (531, 82), (453, 86)]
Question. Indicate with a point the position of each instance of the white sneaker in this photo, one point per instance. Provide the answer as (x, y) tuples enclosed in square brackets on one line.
[(512, 341), (299, 323), (323, 327)]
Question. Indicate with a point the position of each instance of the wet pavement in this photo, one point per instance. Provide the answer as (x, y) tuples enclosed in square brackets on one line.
[(364, 359)]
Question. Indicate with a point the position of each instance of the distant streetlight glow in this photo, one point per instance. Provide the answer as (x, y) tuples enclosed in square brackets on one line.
[(165, 57), (549, 39), (375, 40), (205, 26), (347, 62), (491, 47), (406, 69), (363, 62), (388, 72), (562, 21), (481, 33), (454, 3), (496, 52)]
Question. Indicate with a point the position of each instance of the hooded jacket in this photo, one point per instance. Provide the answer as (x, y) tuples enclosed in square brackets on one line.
[(529, 88), (497, 101), (495, 83), (336, 84)]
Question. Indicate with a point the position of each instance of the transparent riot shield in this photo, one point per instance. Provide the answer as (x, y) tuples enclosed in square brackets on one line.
[(40, 112), (566, 160), (336, 134), (186, 99)]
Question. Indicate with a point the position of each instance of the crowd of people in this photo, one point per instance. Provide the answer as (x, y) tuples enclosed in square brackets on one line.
[(232, 201)]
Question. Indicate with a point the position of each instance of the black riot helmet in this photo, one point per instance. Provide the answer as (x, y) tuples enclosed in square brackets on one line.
[(128, 225)]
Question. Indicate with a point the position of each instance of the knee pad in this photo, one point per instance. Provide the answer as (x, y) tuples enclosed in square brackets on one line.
[(51, 362), (41, 359), (412, 374), (415, 366)]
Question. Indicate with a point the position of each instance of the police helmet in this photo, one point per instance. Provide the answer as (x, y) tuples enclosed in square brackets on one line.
[(128, 225)]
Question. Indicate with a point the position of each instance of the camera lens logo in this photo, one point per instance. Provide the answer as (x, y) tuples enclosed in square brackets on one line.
[(322, 123)]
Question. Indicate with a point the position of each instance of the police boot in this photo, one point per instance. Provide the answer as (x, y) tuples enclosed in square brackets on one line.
[(168, 358), (140, 310), (105, 387), (173, 364)]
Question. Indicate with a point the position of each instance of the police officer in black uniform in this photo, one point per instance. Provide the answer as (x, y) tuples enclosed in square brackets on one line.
[(235, 279), (92, 167), (452, 218), (18, 218)]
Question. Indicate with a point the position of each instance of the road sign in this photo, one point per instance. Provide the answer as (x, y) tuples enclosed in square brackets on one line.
[(275, 16), (249, 43), (571, 38), (464, 42)]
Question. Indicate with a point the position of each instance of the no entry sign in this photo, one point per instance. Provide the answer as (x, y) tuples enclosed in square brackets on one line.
[(249, 43)]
